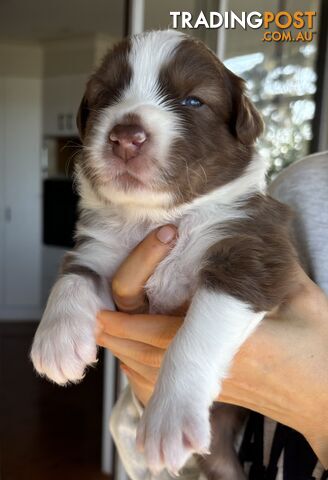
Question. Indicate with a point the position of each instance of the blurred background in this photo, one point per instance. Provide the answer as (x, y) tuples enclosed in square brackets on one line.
[(47, 51)]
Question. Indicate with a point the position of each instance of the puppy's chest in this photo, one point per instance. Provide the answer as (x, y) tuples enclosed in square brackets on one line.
[(175, 279)]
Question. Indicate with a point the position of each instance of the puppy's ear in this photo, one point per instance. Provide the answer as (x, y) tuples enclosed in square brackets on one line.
[(246, 122), (82, 116)]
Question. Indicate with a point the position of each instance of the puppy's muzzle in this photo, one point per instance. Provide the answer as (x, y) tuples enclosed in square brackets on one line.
[(127, 141)]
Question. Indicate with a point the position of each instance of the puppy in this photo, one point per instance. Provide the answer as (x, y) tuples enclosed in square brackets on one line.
[(168, 135)]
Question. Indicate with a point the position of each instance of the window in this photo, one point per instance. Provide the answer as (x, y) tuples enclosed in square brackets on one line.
[(281, 77), (281, 80)]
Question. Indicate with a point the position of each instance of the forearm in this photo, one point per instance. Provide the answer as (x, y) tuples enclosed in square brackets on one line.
[(280, 372)]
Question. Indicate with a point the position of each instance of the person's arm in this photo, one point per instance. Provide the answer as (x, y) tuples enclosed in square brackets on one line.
[(280, 371)]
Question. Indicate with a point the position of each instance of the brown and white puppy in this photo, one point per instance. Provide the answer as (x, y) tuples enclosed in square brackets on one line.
[(168, 136)]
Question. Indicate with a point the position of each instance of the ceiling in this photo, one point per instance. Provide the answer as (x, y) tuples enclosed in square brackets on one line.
[(40, 20)]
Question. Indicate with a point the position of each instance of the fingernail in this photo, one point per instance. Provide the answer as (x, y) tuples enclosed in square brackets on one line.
[(166, 234)]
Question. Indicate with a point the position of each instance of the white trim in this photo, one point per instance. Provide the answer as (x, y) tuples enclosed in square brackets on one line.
[(323, 128), (120, 473), (107, 449), (222, 34), (137, 16)]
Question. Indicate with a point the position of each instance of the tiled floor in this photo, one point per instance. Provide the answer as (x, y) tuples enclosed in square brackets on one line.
[(46, 432)]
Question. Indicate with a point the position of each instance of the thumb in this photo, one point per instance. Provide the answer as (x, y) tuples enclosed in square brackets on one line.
[(131, 277)]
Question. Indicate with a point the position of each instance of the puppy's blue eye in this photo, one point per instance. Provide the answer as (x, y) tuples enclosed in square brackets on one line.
[(191, 102)]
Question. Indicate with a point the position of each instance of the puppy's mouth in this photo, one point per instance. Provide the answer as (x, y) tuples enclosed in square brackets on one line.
[(128, 181), (139, 173)]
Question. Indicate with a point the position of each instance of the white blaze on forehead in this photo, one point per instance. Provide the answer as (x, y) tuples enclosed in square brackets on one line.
[(149, 53)]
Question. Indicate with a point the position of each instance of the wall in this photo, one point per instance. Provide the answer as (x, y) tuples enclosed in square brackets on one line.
[(20, 205)]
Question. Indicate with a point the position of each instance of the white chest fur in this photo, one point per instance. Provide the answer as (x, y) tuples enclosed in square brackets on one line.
[(174, 280), (199, 225)]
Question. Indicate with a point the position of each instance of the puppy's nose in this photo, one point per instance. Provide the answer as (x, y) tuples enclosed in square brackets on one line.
[(127, 140)]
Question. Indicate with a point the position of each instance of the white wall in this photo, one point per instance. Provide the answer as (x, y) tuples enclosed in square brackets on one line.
[(20, 219)]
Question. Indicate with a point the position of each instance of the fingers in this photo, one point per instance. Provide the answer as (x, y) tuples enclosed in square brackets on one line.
[(129, 281), (142, 388), (154, 330), (139, 352), (147, 372)]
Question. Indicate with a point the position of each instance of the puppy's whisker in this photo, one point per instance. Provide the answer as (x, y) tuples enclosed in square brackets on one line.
[(70, 160), (205, 174), (188, 176)]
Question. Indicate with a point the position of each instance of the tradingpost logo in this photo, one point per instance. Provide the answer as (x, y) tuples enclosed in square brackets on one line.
[(281, 26)]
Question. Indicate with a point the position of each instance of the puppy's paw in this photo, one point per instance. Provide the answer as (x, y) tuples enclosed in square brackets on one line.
[(63, 349), (171, 430)]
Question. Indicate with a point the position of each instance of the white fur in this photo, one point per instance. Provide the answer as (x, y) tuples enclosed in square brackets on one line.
[(144, 198), (176, 420), (149, 53), (65, 340)]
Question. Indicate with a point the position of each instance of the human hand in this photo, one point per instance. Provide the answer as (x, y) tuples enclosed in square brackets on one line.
[(279, 371)]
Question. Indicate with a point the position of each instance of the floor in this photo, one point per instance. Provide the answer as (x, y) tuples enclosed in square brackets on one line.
[(46, 432)]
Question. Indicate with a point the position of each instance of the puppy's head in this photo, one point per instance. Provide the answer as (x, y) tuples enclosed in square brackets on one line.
[(163, 121)]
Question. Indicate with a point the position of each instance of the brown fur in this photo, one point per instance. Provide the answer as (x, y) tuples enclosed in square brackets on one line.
[(103, 89), (214, 149), (255, 262), (223, 462), (104, 86), (68, 266)]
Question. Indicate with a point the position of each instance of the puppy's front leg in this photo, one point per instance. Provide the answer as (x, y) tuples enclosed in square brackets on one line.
[(64, 343), (176, 421)]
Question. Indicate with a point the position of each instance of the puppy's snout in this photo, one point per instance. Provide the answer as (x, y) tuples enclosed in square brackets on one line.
[(127, 140)]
